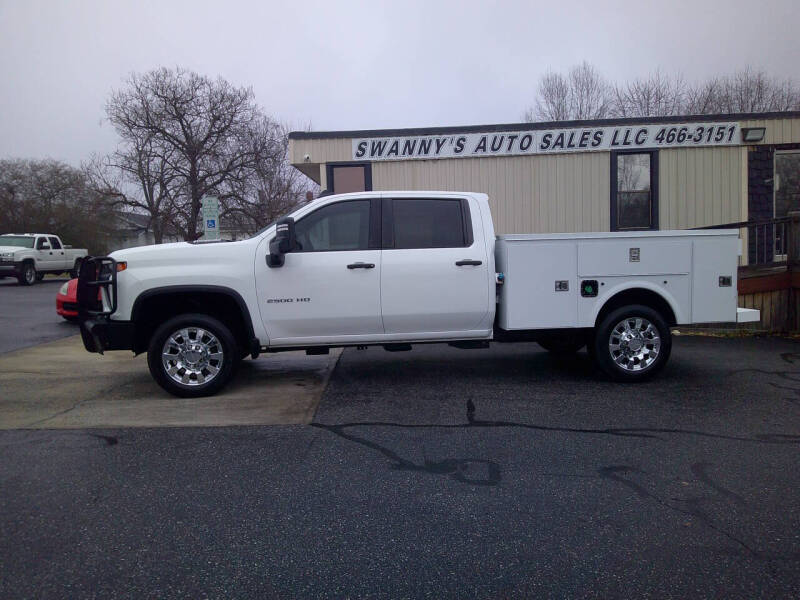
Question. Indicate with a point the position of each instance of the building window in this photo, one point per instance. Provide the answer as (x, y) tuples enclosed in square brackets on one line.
[(634, 191), (786, 182), (349, 177)]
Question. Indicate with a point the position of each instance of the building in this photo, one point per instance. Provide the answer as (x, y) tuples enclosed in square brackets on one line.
[(133, 229), (677, 172), (606, 175)]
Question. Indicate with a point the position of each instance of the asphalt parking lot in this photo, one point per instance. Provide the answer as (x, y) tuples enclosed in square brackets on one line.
[(433, 473), (28, 314)]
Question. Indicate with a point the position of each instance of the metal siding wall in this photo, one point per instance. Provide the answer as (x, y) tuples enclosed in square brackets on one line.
[(570, 192), (528, 194), (779, 131), (700, 186), (321, 151)]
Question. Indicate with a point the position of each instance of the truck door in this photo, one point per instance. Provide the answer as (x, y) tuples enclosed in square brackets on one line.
[(60, 259), (328, 289), (434, 268), (45, 259)]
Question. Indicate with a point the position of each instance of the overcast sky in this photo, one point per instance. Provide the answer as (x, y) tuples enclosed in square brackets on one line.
[(358, 65)]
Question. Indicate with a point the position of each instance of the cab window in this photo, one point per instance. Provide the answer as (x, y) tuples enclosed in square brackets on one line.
[(429, 223), (335, 227), (54, 243), (40, 242)]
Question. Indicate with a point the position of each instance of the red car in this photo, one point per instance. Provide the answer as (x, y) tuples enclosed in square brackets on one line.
[(67, 300)]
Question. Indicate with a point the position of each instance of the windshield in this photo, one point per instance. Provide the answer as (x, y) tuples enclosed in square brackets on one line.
[(16, 240)]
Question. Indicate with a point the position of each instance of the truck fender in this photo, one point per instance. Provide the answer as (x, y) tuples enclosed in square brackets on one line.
[(640, 285), (173, 289)]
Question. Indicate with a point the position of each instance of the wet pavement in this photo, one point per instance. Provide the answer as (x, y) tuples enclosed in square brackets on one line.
[(435, 473), (28, 314)]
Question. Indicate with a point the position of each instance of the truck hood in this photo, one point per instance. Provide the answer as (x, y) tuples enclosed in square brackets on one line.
[(12, 249), (150, 252), (180, 253)]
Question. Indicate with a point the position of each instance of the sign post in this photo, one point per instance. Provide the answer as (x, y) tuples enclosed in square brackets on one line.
[(210, 218)]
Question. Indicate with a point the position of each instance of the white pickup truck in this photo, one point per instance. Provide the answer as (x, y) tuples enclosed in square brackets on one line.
[(398, 268), (30, 256)]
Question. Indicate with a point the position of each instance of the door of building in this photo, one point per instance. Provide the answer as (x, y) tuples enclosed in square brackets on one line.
[(344, 178)]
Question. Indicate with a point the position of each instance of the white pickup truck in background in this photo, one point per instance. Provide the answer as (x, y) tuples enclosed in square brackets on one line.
[(398, 268), (30, 256)]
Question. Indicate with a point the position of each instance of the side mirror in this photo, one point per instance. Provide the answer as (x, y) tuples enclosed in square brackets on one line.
[(283, 242), (45, 246)]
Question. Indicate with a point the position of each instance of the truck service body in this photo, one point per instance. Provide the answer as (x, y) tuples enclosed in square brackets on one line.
[(397, 268)]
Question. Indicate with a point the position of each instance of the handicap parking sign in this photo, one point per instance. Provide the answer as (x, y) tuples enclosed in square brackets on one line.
[(211, 224)]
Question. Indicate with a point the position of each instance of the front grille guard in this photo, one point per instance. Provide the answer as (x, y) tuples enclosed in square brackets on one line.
[(97, 278)]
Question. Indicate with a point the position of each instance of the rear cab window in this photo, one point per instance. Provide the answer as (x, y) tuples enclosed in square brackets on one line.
[(426, 223), (54, 243)]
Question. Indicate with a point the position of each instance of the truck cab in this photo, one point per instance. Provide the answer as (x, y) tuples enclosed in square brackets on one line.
[(400, 268)]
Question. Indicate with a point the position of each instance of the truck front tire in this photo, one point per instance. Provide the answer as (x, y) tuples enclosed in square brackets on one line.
[(192, 355), (632, 343), (27, 275)]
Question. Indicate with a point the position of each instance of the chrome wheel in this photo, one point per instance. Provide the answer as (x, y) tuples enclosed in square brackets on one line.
[(192, 356), (30, 275), (634, 344)]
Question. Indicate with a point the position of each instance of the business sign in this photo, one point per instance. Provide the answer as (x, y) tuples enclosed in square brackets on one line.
[(210, 218), (547, 141)]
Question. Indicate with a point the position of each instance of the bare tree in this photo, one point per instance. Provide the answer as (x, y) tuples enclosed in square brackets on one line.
[(744, 91), (49, 196), (654, 96), (552, 99), (186, 136), (137, 177), (704, 98), (271, 189), (582, 94), (589, 93)]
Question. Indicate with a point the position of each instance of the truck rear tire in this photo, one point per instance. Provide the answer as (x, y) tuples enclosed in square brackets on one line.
[(632, 343), (192, 355), (28, 274)]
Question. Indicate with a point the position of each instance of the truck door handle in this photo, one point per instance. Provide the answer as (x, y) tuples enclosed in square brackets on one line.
[(474, 263), (361, 265)]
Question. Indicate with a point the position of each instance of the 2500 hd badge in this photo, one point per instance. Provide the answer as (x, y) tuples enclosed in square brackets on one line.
[(284, 300)]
